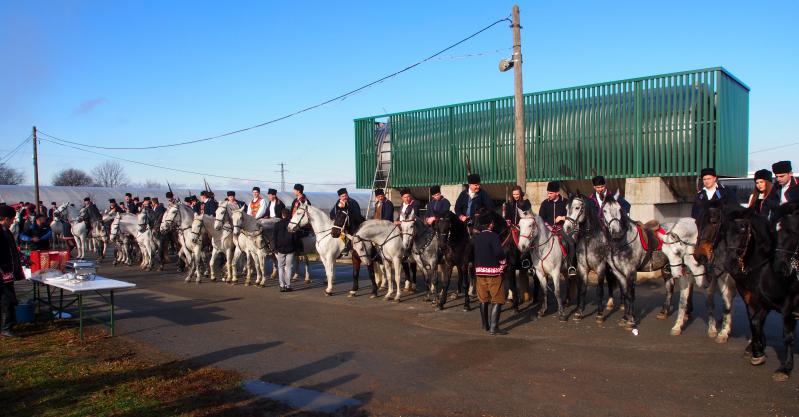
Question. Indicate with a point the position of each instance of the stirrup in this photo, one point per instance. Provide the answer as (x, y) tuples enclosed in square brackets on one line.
[(572, 271), (526, 264)]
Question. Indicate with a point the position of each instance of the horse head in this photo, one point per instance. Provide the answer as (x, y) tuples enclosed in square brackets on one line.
[(362, 248), (340, 223), (115, 227), (738, 235), (197, 228), (576, 213), (710, 231), (528, 230), (299, 218), (408, 228), (237, 220), (443, 228), (220, 216), (142, 221), (786, 260), (616, 223)]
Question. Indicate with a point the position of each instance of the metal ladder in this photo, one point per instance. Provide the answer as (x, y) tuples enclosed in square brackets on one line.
[(383, 166)]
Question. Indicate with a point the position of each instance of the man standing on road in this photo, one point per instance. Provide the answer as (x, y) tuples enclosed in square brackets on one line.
[(489, 263), (286, 243), (10, 270)]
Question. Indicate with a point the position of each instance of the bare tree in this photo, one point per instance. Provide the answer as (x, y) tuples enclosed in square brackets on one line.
[(10, 176), (72, 177), (110, 174)]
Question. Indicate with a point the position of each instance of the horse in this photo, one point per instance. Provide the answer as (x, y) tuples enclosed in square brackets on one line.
[(227, 244), (457, 251), (97, 231), (420, 240), (386, 238), (69, 214), (180, 216), (546, 255), (203, 228), (252, 243), (327, 246), (16, 226), (763, 288), (592, 252), (146, 238), (711, 253), (124, 227)]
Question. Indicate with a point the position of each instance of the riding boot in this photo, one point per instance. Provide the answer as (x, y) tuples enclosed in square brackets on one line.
[(484, 307), (496, 309)]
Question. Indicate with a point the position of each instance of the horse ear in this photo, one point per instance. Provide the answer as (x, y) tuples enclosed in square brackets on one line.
[(522, 213)]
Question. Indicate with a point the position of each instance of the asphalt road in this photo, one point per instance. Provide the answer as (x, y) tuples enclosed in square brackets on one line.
[(407, 359)]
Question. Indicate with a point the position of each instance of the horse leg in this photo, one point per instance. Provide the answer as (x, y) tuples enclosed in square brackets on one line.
[(307, 268), (542, 281), (513, 290), (668, 286), (582, 290), (214, 253), (756, 322), (273, 257), (727, 289), (466, 277), (330, 271), (446, 276), (371, 271), (630, 311), (685, 289), (556, 286), (356, 273), (712, 330), (611, 281), (788, 328), (397, 264)]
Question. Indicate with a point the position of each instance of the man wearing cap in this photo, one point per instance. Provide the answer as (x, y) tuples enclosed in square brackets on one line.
[(170, 198), (437, 206), (553, 212), (147, 203), (208, 205), (158, 208), (597, 199), (51, 211), (711, 191), (516, 202), (472, 199), (232, 201), (759, 201), (10, 271), (129, 206), (274, 206), (409, 205), (489, 263), (38, 234), (786, 188), (92, 210), (113, 207), (352, 208), (384, 208), (257, 207), (299, 197)]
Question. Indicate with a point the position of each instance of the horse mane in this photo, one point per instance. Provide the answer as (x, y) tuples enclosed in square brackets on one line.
[(787, 209)]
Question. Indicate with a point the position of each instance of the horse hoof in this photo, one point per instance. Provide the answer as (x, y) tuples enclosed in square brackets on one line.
[(373, 296), (352, 294), (722, 338), (541, 314), (577, 317), (466, 308), (662, 315), (561, 318), (307, 280), (396, 301), (328, 293), (676, 331), (439, 307), (712, 333), (600, 319), (758, 361), (780, 376)]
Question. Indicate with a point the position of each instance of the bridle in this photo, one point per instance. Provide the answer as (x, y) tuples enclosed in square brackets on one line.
[(145, 223), (304, 209), (196, 235), (225, 216)]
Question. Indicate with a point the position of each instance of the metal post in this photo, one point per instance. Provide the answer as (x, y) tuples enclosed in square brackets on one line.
[(113, 324), (521, 163), (36, 171)]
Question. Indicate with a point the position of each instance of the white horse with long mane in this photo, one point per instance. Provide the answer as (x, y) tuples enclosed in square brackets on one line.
[(181, 216), (545, 253), (385, 237), (70, 214), (327, 247), (252, 243)]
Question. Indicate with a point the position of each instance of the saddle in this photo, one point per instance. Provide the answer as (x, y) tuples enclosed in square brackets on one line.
[(650, 233)]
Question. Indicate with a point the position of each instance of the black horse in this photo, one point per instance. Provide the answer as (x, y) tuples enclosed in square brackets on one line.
[(751, 243), (456, 247)]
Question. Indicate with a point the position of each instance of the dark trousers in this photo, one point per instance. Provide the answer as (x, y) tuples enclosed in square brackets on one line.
[(8, 302)]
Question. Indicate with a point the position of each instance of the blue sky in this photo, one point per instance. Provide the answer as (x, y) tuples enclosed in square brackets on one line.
[(150, 72)]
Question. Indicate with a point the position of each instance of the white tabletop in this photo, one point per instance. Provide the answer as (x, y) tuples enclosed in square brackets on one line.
[(76, 286)]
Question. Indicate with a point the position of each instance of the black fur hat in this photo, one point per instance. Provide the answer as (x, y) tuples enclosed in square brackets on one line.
[(256, 189), (435, 189), (405, 191), (473, 179), (782, 167), (272, 191), (231, 193), (763, 174), (598, 180), (553, 187), (341, 191), (379, 191), (299, 187), (169, 194), (707, 171)]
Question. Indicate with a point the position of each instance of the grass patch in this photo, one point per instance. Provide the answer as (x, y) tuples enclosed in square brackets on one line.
[(49, 371)]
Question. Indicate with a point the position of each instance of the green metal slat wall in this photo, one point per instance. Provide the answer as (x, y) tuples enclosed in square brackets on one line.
[(664, 125)]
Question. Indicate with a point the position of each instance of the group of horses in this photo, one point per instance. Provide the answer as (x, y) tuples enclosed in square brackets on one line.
[(730, 249)]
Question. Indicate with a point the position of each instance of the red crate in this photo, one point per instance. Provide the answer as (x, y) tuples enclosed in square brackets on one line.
[(49, 259)]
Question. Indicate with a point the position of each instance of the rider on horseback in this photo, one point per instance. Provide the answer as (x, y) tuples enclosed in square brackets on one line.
[(353, 210), (712, 191), (437, 206), (472, 199), (92, 212), (384, 208), (553, 211)]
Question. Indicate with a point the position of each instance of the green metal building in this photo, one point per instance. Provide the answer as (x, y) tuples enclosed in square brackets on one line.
[(669, 125)]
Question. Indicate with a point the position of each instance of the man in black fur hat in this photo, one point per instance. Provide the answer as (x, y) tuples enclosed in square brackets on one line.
[(274, 205), (384, 208), (785, 190), (299, 193), (472, 199), (597, 198), (489, 263), (711, 191), (437, 206)]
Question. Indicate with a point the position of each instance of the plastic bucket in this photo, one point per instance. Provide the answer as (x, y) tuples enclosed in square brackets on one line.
[(25, 313)]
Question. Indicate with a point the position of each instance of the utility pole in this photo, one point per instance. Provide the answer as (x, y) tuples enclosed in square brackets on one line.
[(36, 170), (518, 98), (282, 177)]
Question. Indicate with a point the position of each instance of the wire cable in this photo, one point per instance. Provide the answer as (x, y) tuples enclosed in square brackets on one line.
[(774, 148), (183, 170), (11, 153), (303, 110)]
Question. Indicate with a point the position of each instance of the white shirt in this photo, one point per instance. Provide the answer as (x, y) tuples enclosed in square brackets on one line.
[(710, 192), (599, 199), (272, 209), (783, 197)]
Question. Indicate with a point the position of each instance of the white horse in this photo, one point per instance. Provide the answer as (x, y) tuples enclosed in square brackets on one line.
[(386, 238), (146, 240), (16, 226), (546, 256), (250, 237), (225, 242), (68, 213), (123, 229), (420, 240), (327, 247), (181, 216), (679, 243)]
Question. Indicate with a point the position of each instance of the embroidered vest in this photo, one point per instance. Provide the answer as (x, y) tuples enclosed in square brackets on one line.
[(255, 205)]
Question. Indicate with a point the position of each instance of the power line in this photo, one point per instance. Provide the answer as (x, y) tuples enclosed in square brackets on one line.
[(303, 110), (178, 169), (11, 153), (774, 148)]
